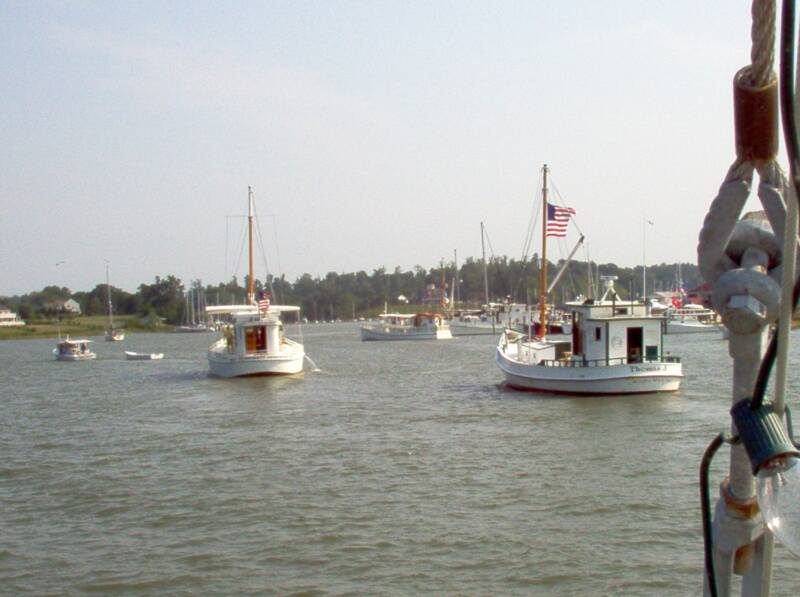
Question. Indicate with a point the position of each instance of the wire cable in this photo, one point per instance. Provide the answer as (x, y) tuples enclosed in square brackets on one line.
[(705, 504)]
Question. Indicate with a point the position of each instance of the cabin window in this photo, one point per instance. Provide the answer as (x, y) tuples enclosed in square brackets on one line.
[(598, 333), (256, 338), (651, 353)]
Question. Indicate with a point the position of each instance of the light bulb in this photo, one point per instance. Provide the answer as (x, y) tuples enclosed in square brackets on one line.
[(778, 489)]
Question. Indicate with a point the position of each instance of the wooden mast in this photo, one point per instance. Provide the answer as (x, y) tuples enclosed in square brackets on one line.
[(250, 283), (543, 265)]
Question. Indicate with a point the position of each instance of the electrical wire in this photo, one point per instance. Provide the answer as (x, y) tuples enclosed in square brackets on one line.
[(705, 504)]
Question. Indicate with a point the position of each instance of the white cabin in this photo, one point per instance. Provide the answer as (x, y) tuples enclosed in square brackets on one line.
[(615, 332)]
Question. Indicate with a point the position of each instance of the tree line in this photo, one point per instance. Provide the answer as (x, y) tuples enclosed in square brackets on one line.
[(358, 294)]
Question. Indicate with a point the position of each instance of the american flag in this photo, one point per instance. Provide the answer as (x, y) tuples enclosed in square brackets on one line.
[(557, 220), (263, 301)]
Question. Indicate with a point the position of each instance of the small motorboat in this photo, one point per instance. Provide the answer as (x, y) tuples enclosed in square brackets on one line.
[(143, 356)]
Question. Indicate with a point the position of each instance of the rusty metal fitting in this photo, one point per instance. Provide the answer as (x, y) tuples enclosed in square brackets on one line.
[(755, 114), (747, 508)]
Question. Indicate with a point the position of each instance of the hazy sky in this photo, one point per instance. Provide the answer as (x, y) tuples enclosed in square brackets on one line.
[(376, 133)]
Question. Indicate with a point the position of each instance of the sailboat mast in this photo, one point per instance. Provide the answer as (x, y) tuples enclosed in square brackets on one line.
[(543, 266), (250, 285), (108, 289), (485, 273)]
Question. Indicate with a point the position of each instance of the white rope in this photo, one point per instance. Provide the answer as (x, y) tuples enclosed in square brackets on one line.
[(762, 33)]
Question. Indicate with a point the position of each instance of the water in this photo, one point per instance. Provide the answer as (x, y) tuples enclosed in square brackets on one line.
[(397, 469)]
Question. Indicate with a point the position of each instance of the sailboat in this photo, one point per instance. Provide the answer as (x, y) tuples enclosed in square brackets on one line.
[(616, 347), (253, 343), (193, 312), (474, 322), (112, 334)]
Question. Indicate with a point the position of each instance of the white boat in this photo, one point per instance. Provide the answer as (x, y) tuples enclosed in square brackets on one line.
[(253, 342), (144, 356), (112, 334), (691, 319), (73, 350), (193, 328), (474, 323), (616, 347), (402, 326)]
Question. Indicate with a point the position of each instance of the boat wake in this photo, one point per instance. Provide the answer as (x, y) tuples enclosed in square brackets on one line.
[(313, 364)]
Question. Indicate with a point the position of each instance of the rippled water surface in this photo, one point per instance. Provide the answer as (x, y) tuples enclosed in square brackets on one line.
[(399, 468)]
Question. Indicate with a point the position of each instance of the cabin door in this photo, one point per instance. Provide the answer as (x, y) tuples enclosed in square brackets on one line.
[(635, 342)]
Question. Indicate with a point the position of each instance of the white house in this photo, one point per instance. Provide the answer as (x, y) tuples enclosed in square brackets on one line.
[(72, 306), (9, 319)]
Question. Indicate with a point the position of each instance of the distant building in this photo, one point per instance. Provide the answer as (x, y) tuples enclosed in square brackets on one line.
[(71, 306), (9, 319), (435, 295), (700, 295)]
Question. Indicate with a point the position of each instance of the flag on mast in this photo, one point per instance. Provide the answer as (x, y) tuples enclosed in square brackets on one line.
[(263, 300), (557, 220)]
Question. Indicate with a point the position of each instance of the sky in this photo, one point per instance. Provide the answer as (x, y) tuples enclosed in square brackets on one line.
[(374, 134)]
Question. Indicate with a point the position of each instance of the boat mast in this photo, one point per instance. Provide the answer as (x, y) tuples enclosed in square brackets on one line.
[(543, 267), (250, 287), (455, 294), (108, 289), (485, 274), (644, 260)]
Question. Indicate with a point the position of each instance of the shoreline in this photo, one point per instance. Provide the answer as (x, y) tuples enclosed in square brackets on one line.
[(80, 326)]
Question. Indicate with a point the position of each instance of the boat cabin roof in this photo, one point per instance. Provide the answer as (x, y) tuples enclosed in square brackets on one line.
[(605, 310), (78, 341), (249, 309)]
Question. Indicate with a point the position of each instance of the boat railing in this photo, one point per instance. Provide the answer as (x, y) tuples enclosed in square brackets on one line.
[(608, 362)]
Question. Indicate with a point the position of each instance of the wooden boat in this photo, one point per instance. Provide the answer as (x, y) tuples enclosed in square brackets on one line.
[(414, 326), (691, 319), (73, 350), (253, 343), (615, 347)]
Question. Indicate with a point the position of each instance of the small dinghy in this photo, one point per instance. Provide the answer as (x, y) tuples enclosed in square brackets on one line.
[(143, 356)]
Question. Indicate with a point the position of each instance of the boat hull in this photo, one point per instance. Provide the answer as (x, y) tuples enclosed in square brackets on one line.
[(75, 357), (629, 378), (138, 356), (289, 361), (474, 329), (395, 334)]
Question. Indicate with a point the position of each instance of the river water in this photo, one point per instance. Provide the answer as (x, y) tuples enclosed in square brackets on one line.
[(397, 469)]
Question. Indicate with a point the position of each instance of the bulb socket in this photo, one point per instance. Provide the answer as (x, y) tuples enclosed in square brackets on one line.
[(762, 432)]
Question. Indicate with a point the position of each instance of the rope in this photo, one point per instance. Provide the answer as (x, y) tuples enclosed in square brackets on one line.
[(762, 33)]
